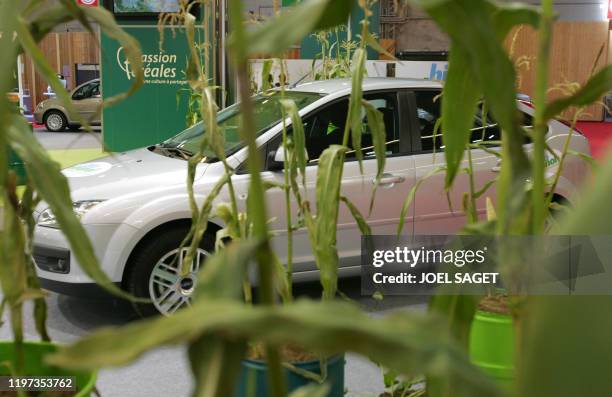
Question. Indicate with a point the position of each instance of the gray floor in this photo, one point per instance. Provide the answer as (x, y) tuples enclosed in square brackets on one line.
[(69, 139), (165, 372)]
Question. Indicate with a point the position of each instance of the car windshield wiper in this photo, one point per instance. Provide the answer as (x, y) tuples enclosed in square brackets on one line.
[(184, 153)]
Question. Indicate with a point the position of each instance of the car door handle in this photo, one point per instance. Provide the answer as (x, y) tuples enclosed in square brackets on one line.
[(389, 180)]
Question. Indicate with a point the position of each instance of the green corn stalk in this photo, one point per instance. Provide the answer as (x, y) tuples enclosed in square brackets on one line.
[(22, 28), (541, 127), (256, 200)]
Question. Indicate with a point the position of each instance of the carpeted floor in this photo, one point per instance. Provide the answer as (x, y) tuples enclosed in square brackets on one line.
[(599, 135)]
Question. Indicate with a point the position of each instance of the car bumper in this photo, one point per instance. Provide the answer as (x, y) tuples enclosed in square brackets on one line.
[(38, 117), (80, 290), (55, 261)]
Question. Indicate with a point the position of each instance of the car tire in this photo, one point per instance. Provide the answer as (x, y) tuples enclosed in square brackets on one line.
[(153, 272), (55, 121)]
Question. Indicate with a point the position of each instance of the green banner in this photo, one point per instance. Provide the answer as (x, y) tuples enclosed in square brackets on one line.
[(153, 113)]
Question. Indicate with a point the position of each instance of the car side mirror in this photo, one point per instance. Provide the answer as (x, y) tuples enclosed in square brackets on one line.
[(276, 159)]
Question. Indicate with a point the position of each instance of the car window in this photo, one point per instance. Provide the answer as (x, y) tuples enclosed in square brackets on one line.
[(87, 91), (428, 113), (428, 110), (267, 113), (325, 127)]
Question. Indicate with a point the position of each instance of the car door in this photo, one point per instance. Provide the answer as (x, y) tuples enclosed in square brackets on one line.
[(86, 100), (323, 128), (438, 211)]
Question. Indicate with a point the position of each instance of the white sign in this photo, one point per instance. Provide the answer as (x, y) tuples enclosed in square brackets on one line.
[(159, 68)]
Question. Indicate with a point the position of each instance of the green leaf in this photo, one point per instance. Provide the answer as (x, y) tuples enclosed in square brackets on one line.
[(221, 277), (371, 41), (68, 10), (554, 338), (484, 189), (43, 24), (506, 16), (131, 48), (266, 71), (354, 121), (215, 364), (46, 177), (471, 25), (376, 125), (406, 342), (459, 100), (298, 136), (289, 28), (458, 313), (592, 91), (410, 198), (587, 158), (48, 73), (587, 217), (329, 178), (200, 224), (364, 228)]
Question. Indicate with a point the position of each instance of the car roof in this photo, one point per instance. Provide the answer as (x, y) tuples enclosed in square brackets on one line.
[(369, 84)]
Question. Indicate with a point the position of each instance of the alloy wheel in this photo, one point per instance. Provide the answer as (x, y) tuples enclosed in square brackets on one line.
[(55, 122), (168, 290)]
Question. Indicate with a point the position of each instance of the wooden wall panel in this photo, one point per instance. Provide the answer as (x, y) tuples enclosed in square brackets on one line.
[(63, 51), (574, 50)]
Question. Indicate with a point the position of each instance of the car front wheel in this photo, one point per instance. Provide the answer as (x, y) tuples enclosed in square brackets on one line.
[(155, 273), (55, 121)]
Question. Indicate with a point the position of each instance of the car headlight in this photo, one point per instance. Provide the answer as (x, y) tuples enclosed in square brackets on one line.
[(80, 208)]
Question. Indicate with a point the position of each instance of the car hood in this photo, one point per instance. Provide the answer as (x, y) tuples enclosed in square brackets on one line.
[(135, 171)]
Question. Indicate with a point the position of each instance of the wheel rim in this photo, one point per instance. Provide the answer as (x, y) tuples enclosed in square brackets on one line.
[(167, 289), (54, 121)]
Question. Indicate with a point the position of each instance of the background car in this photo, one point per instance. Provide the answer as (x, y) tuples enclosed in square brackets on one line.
[(134, 206), (86, 100)]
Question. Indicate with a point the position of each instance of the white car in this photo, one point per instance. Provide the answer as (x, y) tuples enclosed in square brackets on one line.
[(134, 205)]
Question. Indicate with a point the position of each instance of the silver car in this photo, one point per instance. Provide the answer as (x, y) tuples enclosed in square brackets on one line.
[(134, 205), (86, 100)]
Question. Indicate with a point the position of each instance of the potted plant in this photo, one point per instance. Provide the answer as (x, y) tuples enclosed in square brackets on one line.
[(492, 329), (219, 326), (300, 367), (21, 27), (222, 326)]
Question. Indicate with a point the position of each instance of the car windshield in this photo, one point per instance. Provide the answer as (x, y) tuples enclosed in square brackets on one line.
[(267, 112)]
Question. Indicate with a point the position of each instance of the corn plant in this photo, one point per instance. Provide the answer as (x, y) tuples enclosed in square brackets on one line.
[(335, 55), (218, 325), (479, 67), (22, 25)]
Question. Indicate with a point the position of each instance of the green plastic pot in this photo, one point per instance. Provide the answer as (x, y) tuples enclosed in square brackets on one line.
[(35, 366), (492, 346), (253, 381)]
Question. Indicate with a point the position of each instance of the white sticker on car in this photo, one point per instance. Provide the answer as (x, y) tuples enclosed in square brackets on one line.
[(87, 169)]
